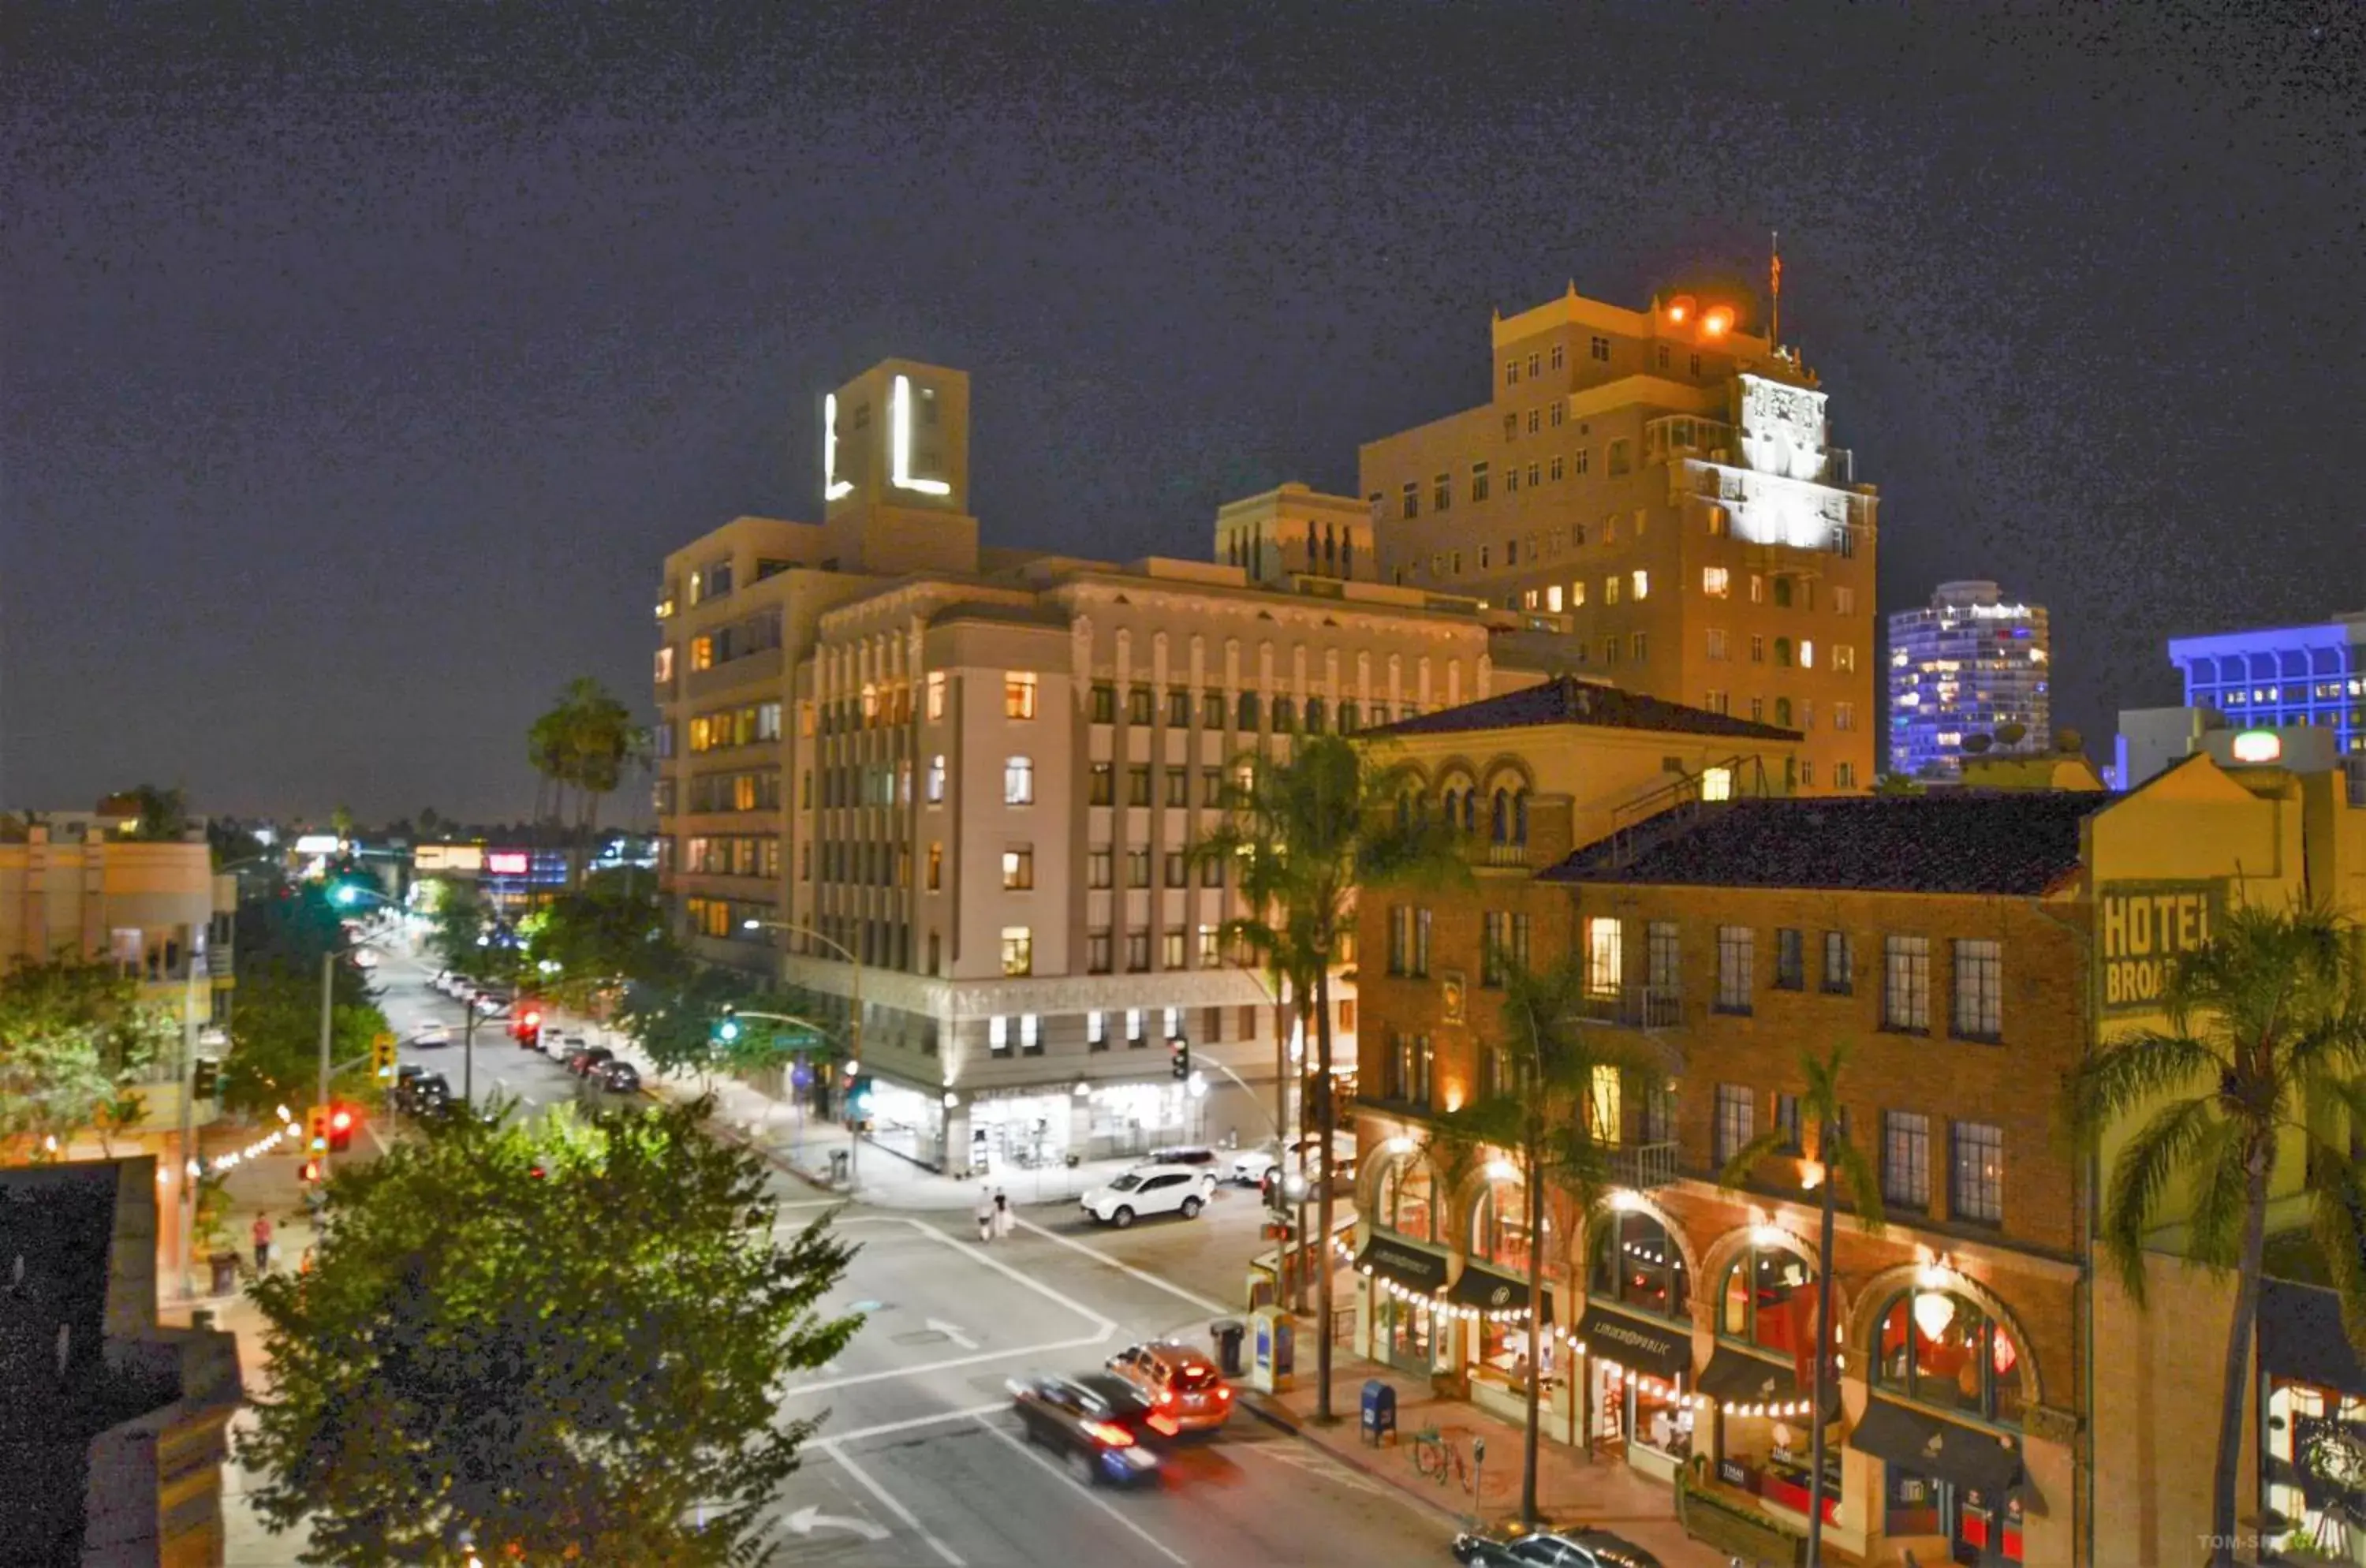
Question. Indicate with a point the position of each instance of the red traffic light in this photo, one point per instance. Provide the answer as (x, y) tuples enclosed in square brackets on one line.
[(533, 1021), (312, 1170), (341, 1120)]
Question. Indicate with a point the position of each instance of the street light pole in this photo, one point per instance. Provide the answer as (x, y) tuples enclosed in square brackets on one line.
[(190, 1121), (327, 1028), (854, 1028)]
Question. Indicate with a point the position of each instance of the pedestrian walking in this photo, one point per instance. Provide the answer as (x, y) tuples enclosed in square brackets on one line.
[(261, 1232), (985, 1215), (1005, 1222)]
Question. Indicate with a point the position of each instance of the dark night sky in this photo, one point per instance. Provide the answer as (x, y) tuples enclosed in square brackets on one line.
[(361, 362)]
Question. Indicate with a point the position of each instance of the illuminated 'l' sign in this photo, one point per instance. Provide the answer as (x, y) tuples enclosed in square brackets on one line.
[(901, 473), (832, 486)]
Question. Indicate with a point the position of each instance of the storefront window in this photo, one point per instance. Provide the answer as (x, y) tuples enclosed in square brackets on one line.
[(1408, 1333), (2316, 1466), (1407, 1205), (1941, 1349), (1499, 1228), (1025, 1132), (1637, 1265), (1643, 1411), (1769, 1300)]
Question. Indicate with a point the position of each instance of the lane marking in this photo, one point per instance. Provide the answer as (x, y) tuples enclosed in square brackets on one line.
[(951, 1332), (1087, 1493), (917, 1422), (889, 1501), (1147, 1277), (982, 1356)]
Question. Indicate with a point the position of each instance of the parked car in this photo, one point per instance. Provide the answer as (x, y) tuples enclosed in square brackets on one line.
[(562, 1045), (1151, 1190), (584, 1060), (1182, 1154), (1575, 1547), (1099, 1424), (617, 1077), (1250, 1168), (1185, 1392)]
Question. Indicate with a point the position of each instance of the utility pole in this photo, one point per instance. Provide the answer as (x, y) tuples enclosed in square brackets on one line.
[(188, 1188), (328, 1029)]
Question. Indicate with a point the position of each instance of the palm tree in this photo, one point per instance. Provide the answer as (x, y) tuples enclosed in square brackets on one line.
[(546, 748), (1308, 834), (1550, 1113), (601, 738), (1837, 1161), (2266, 1041)]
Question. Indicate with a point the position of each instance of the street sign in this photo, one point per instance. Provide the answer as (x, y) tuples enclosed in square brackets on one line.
[(797, 1040)]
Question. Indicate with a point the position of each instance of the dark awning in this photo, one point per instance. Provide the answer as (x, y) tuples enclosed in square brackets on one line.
[(1491, 1291), (1944, 1451), (1409, 1266), (1662, 1349), (2300, 1337), (1737, 1376)]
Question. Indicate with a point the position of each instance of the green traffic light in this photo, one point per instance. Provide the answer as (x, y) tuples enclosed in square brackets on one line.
[(729, 1031)]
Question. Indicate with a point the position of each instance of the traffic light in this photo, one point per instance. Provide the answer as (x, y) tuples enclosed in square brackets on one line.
[(726, 1028), (858, 1099), (382, 1054), (316, 1130), (310, 1173), (528, 1028), (1178, 1059), (341, 1128), (204, 1078)]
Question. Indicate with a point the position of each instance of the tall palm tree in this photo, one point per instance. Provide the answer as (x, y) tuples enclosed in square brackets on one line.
[(600, 739), (2266, 1043), (1307, 834), (1550, 1113), (1838, 1160), (546, 748)]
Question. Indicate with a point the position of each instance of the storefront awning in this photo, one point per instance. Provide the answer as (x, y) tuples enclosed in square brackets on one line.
[(1491, 1291), (2301, 1337), (1662, 1349), (1409, 1266), (1736, 1377), (1944, 1450)]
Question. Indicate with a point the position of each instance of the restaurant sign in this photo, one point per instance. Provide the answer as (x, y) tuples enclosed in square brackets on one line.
[(2142, 929)]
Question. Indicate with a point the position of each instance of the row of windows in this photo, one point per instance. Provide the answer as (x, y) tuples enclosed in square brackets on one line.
[(1102, 786), (1977, 999), (749, 724), (725, 919), (1176, 950), (1975, 1152), (745, 854), (759, 790), (1101, 868), (1024, 1034), (755, 634), (1248, 711)]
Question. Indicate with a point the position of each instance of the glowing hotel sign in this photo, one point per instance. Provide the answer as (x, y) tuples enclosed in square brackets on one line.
[(1777, 495), (899, 447), (2143, 928)]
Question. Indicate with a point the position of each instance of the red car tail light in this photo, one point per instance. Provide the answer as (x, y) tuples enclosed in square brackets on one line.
[(1108, 1432), (1164, 1426)]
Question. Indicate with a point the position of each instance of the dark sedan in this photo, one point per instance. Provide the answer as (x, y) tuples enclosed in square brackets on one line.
[(617, 1077), (1571, 1548), (1101, 1424), (588, 1060)]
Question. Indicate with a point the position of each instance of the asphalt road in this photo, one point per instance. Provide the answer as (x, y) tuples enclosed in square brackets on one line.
[(502, 1067)]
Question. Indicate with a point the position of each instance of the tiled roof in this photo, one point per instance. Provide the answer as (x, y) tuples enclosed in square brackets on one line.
[(1567, 700), (2019, 841)]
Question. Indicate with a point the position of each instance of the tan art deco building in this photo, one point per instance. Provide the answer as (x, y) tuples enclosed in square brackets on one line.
[(980, 772), (1663, 484)]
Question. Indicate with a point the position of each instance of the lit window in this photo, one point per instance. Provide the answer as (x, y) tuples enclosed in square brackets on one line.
[(1017, 951), (1642, 583), (1716, 581), (1610, 590), (937, 779), (936, 693), (1577, 595), (1807, 653), (1018, 694), (997, 1035), (1030, 1034), (702, 653), (1552, 598), (665, 664), (1133, 1026), (1717, 784), (1018, 781), (1605, 963), (1018, 869)]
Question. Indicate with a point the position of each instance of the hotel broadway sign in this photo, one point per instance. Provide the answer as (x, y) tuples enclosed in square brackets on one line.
[(2141, 929)]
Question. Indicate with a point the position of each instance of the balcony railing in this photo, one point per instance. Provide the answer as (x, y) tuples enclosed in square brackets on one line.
[(1636, 1007), (1641, 1166), (1507, 854)]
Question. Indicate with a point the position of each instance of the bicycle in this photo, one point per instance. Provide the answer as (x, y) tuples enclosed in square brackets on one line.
[(1437, 1457)]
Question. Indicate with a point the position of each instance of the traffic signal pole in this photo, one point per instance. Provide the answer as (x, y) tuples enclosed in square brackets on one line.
[(328, 1029), (188, 1178)]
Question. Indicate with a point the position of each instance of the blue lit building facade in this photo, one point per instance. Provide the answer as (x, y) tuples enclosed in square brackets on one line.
[(2281, 676), (1968, 664)]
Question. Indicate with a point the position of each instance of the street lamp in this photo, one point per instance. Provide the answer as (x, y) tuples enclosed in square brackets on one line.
[(853, 1026)]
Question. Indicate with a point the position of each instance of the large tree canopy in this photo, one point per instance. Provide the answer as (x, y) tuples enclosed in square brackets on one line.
[(75, 1035), (565, 1338)]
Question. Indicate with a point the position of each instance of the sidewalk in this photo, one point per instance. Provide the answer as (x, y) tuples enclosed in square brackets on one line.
[(1571, 1490)]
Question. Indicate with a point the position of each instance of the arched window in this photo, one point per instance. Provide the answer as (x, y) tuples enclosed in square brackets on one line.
[(1498, 1227), (1315, 715), (1285, 716), (1347, 554), (1782, 593), (1939, 1348), (1349, 718), (1499, 818), (1637, 1264), (1782, 712), (1519, 817), (1247, 717), (1767, 1298), (1783, 650), (1407, 1201)]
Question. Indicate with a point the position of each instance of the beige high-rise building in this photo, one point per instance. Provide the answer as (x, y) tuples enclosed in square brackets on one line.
[(1665, 484), (964, 783)]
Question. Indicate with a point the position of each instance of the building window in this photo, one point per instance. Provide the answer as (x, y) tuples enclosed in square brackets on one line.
[(1170, 950), (1905, 1159), (1844, 716), (1716, 581), (1843, 657), (1610, 586), (1100, 867), (1177, 869), (1410, 505), (1606, 964), (1718, 647), (1441, 492), (1737, 1121), (1843, 601), (1906, 984), (1137, 952), (1399, 937), (1979, 990), (1598, 348), (1134, 1038), (1097, 953), (1937, 1348), (935, 788), (1840, 963), (1556, 468), (1178, 786), (1104, 703), (1137, 785), (1018, 781), (1103, 787), (1030, 1034), (1622, 459), (1976, 1188), (1018, 869), (1844, 773), (1139, 704), (1018, 694), (1790, 959), (1478, 481), (1787, 1121), (936, 867), (1137, 868), (1642, 584), (1736, 963), (1211, 710), (997, 1035), (1418, 960), (1511, 372), (1096, 1031), (1178, 708), (1211, 872), (1212, 947), (1018, 950), (1285, 717)]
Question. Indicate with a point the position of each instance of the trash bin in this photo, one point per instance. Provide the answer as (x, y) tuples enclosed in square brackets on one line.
[(1380, 1410), (838, 1164), (225, 1272), (1228, 1332)]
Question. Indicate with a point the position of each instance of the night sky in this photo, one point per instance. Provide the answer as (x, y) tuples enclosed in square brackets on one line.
[(361, 363)]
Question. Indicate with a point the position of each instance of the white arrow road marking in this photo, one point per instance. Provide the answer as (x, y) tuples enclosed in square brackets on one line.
[(806, 1520), (940, 1325)]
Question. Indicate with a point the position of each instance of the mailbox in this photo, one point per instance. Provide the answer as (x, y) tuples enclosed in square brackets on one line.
[(1380, 1410)]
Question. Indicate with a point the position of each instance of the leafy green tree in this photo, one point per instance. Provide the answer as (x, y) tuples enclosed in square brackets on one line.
[(564, 1338), (275, 1026), (1307, 835), (674, 1024), (2266, 1043), (74, 1037), (1839, 1162), (584, 742), (460, 934), (1555, 1114), (610, 931)]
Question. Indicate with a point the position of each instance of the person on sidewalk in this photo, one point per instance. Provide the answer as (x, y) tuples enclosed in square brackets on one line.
[(261, 1231), (987, 1219), (1005, 1222)]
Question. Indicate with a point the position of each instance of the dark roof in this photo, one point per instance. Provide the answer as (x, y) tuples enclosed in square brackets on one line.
[(2006, 841), (1567, 700), (1000, 614)]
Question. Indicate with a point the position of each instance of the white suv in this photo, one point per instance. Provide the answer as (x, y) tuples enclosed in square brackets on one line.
[(1152, 1190)]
